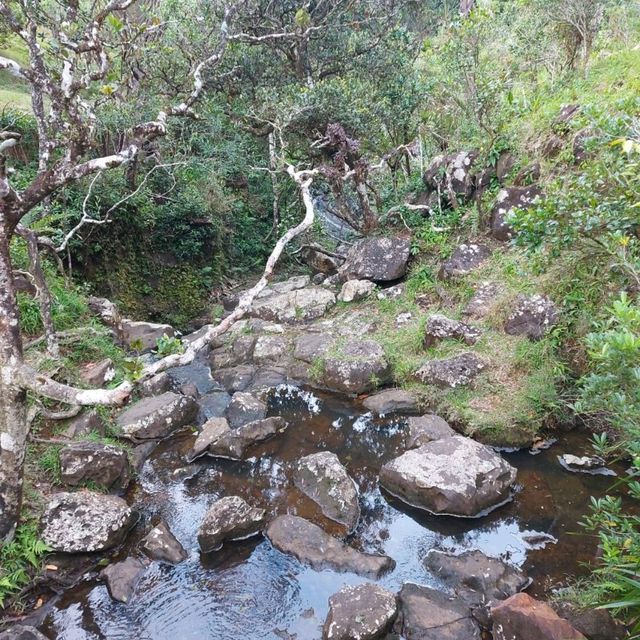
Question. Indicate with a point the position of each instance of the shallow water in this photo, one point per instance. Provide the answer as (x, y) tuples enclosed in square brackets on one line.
[(250, 591)]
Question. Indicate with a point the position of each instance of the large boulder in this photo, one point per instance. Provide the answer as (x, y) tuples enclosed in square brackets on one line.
[(160, 544), (475, 576), (596, 624), (525, 618), (122, 578), (532, 317), (427, 614), (355, 290), (296, 306), (453, 372), (507, 201), (144, 335), (230, 518), (235, 379), (427, 428), (359, 367), (452, 176), (157, 417), (22, 632), (440, 328), (364, 611), (455, 476), (234, 443), (85, 522), (381, 259), (243, 408), (322, 478), (103, 464), (391, 401), (311, 545), (464, 260)]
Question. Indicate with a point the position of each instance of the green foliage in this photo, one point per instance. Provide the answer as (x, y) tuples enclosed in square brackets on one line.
[(166, 346), (49, 462)]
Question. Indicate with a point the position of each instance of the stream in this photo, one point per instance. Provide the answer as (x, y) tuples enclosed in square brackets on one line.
[(249, 590)]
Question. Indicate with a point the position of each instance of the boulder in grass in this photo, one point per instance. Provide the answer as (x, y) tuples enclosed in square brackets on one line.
[(380, 259), (103, 464), (465, 259), (359, 367), (532, 317), (451, 372), (355, 290), (440, 328), (507, 201)]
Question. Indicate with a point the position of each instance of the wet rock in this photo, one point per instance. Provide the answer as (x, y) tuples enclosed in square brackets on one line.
[(297, 306), (322, 478), (213, 405), (427, 614), (365, 611), (141, 453), (21, 632), (230, 518), (480, 577), (465, 259), (103, 464), (360, 367), (235, 379), (157, 417), (122, 578), (381, 259), (85, 522), (440, 327), (311, 545), (525, 618), (84, 424), (452, 176), (594, 465), (212, 430), (311, 346), (532, 316), (483, 300), (144, 335), (97, 374), (596, 624), (159, 384), (234, 443), (392, 401), (355, 290), (427, 428), (452, 372), (509, 199), (269, 377), (160, 544), (270, 349), (196, 373), (243, 408), (454, 476)]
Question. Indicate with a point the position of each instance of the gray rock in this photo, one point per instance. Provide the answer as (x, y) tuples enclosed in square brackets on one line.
[(381, 259), (595, 624), (322, 477), (122, 578), (355, 290), (320, 262), (360, 367), (594, 465), (242, 348), (82, 425), (269, 377), (104, 464), (464, 260), (235, 379), (196, 373), (508, 200), (532, 316), (212, 430), (476, 577), (427, 428), (85, 522), (234, 443), (364, 611), (391, 401), (452, 372), (144, 334), (160, 544), (270, 349), (311, 346), (297, 306), (230, 518), (97, 374), (159, 384), (213, 405), (440, 327), (311, 545), (21, 632), (483, 300), (157, 417), (427, 614), (105, 310), (243, 408), (455, 476), (452, 176)]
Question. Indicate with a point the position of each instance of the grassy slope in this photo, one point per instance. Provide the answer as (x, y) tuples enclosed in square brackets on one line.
[(14, 92)]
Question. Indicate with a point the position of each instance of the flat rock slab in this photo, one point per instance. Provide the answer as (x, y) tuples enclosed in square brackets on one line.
[(230, 518), (440, 328), (311, 346), (296, 306), (525, 618), (532, 317), (392, 401), (477, 576), (160, 544), (85, 522), (380, 259), (359, 367), (122, 578), (427, 614), (322, 478), (452, 372), (243, 408), (311, 545), (427, 428), (104, 464), (157, 417), (464, 260), (454, 476), (361, 612), (234, 443)]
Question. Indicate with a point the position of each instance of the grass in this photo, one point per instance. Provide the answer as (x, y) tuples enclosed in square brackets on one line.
[(14, 93)]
